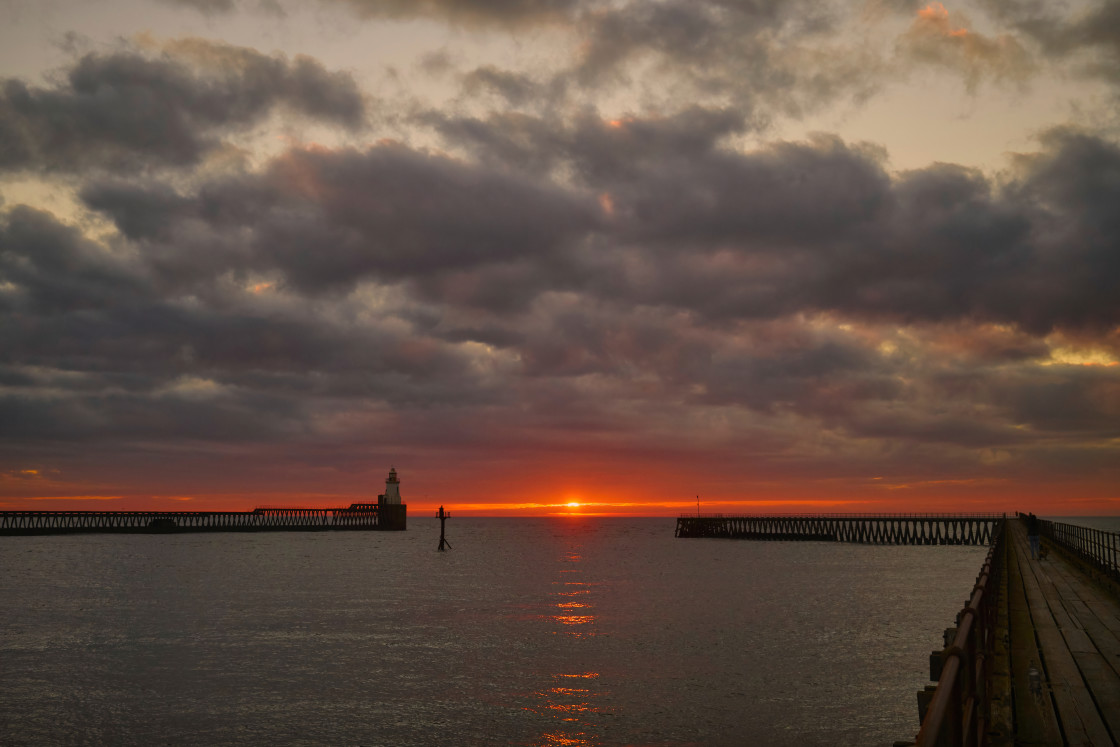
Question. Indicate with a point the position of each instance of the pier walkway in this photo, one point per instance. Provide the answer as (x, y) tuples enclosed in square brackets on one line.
[(1034, 657), (1067, 627)]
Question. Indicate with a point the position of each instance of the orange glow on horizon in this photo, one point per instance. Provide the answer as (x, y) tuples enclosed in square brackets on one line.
[(627, 492), (885, 502), (921, 497)]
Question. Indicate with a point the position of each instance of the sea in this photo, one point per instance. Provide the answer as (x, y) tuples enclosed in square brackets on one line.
[(567, 630)]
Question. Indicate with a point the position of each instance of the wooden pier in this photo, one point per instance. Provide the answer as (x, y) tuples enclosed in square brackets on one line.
[(1034, 655), (355, 517), (1054, 674), (872, 529)]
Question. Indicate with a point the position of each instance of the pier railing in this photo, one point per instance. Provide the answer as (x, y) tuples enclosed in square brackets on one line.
[(951, 515), (1096, 547), (959, 710), (356, 516), (875, 529)]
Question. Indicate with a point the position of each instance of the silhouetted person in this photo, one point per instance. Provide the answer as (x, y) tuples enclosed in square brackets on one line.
[(1032, 534)]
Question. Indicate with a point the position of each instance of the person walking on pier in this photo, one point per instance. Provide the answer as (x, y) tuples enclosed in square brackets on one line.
[(1032, 535)]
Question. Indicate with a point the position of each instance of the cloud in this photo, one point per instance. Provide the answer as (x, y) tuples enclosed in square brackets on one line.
[(660, 214), (636, 287), (778, 58), (516, 88), (326, 220), (937, 38), (471, 12), (131, 110), (594, 150), (468, 13), (771, 55), (1088, 35), (207, 7), (49, 268)]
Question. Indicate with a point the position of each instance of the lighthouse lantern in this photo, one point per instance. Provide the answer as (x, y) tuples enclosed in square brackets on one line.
[(392, 488)]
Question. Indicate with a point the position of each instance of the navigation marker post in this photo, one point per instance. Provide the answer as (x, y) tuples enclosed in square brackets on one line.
[(443, 543)]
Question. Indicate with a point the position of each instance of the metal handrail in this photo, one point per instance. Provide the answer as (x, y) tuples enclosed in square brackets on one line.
[(847, 516), (1095, 546), (958, 713)]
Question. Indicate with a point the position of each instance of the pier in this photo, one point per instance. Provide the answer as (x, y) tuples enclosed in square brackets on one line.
[(387, 514), (356, 516), (1034, 655), (872, 529), (1034, 658)]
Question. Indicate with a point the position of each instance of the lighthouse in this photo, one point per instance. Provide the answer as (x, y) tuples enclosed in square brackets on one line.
[(392, 513), (392, 495)]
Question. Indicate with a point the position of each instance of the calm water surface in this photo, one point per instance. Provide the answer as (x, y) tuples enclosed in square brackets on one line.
[(566, 631)]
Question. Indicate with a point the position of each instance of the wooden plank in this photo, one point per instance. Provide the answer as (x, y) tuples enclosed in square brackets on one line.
[(1081, 721), (1100, 603), (1104, 686), (1101, 598), (1105, 637), (1100, 665), (1035, 721), (1048, 583)]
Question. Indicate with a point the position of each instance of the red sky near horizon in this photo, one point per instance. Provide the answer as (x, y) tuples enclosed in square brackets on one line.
[(598, 494)]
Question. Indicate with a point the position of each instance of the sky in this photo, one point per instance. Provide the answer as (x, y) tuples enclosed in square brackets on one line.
[(561, 256)]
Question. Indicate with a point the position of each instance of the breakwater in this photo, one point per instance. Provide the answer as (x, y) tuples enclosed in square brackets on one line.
[(356, 516), (874, 529)]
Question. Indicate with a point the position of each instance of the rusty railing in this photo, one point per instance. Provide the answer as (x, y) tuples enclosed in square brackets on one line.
[(958, 712), (1098, 548)]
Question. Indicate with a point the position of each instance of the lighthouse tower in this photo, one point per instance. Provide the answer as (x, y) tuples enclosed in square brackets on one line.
[(392, 514), (393, 488)]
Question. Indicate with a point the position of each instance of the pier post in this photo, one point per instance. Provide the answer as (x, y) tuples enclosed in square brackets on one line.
[(443, 543)]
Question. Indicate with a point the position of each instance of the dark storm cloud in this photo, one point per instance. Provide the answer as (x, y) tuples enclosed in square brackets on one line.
[(1078, 399), (659, 215), (326, 220), (1089, 36), (204, 6), (598, 151), (813, 376), (775, 55), (93, 344), (117, 415), (572, 276), (753, 53), (472, 12), (822, 227), (1071, 189), (766, 201), (129, 110), (74, 305), (51, 268)]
